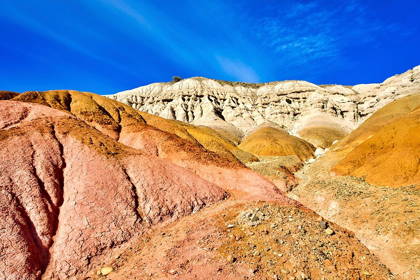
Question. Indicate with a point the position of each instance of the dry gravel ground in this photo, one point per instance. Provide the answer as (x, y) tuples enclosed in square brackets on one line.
[(386, 220), (247, 240)]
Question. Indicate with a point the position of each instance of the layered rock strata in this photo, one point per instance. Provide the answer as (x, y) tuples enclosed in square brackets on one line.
[(294, 105)]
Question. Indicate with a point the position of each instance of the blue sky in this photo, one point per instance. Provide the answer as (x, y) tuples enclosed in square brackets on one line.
[(106, 46)]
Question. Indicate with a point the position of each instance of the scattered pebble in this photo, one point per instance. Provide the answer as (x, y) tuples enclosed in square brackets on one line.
[(106, 270), (366, 273), (323, 224), (230, 259)]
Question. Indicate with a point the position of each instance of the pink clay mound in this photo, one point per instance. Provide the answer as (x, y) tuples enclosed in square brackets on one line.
[(68, 195)]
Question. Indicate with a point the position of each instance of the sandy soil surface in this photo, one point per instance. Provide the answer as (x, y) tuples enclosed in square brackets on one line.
[(239, 239), (386, 220)]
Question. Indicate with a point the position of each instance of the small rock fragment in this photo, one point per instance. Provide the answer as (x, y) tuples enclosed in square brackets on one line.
[(329, 231), (254, 218), (323, 224), (230, 259), (106, 270), (366, 273)]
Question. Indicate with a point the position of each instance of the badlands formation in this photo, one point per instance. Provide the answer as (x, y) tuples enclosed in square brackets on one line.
[(367, 181), (318, 114), (206, 179)]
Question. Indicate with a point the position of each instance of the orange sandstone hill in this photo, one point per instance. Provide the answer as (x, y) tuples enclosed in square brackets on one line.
[(390, 154), (378, 120), (121, 122), (269, 141)]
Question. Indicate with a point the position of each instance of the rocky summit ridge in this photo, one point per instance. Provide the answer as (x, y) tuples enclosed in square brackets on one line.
[(294, 105)]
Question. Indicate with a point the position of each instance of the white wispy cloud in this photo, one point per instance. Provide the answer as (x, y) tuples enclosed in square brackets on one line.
[(238, 70), (300, 34)]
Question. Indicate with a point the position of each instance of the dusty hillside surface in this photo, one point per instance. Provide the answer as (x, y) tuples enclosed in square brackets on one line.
[(279, 169), (244, 240), (385, 219), (381, 205), (268, 141), (70, 193), (240, 107)]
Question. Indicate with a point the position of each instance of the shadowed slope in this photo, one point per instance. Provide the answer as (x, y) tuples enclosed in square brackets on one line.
[(6, 95), (268, 141), (322, 136)]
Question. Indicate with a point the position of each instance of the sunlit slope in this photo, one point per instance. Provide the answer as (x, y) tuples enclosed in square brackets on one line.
[(70, 191), (391, 157), (378, 120), (390, 152), (209, 138), (118, 121), (268, 141)]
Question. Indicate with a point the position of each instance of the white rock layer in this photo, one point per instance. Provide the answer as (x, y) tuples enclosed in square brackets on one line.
[(290, 104)]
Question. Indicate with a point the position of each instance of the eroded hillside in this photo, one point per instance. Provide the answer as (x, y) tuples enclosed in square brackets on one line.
[(90, 186)]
